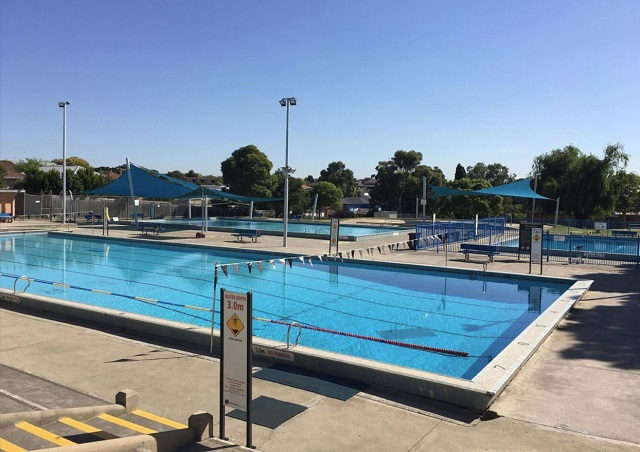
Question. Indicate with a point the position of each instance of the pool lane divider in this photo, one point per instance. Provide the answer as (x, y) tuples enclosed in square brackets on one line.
[(274, 321), (368, 338)]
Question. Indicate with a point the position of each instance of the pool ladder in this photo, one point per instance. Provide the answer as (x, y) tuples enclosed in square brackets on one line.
[(289, 333), (24, 278)]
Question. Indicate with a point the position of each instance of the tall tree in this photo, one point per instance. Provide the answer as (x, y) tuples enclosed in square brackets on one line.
[(396, 181), (585, 184), (329, 196), (628, 193), (495, 173), (73, 161), (460, 172), (340, 176), (248, 172), (299, 198)]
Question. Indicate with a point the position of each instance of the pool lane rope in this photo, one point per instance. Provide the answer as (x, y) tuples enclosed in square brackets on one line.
[(274, 321), (368, 338)]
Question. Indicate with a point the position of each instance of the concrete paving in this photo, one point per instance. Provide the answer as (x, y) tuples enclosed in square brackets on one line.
[(580, 391)]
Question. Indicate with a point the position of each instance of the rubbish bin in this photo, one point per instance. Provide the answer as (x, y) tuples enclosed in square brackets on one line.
[(412, 240)]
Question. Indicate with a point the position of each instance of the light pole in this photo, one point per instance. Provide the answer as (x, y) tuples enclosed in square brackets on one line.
[(63, 105), (285, 102)]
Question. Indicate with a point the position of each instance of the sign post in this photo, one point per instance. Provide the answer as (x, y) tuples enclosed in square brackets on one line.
[(235, 356), (536, 247), (334, 235)]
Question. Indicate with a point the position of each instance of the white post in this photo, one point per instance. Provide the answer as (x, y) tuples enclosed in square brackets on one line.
[(63, 105)]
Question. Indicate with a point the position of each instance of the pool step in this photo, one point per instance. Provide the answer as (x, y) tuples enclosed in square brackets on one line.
[(101, 428)]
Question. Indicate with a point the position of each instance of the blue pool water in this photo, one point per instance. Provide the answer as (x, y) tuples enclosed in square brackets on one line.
[(395, 303), (293, 227)]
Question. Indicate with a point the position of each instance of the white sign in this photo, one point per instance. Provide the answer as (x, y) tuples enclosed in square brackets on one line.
[(536, 245), (273, 353), (600, 225), (234, 333), (335, 227)]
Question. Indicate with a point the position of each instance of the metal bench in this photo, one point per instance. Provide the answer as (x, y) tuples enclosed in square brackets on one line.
[(92, 218), (6, 217), (137, 215), (155, 228), (253, 234), (624, 233), (472, 248)]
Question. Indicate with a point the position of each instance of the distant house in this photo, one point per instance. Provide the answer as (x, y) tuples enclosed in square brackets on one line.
[(365, 186), (355, 205), (11, 176), (52, 166)]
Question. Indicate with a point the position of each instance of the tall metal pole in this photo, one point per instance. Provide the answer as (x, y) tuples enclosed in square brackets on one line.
[(286, 183), (63, 105), (533, 208)]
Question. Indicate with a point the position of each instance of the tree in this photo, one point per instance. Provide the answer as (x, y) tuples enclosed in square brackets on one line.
[(495, 173), (3, 174), (73, 161), (469, 206), (176, 174), (396, 181), (585, 183), (338, 174), (299, 198), (248, 172), (460, 172), (628, 193), (329, 196)]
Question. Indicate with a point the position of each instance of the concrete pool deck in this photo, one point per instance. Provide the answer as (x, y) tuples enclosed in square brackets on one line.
[(580, 390)]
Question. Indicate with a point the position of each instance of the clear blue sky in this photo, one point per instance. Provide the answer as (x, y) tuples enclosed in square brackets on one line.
[(182, 84)]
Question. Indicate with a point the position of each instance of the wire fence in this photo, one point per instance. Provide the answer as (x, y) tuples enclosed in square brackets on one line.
[(614, 247)]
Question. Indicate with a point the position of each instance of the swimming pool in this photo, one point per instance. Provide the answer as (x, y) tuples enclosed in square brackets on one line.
[(588, 245), (393, 304), (348, 232)]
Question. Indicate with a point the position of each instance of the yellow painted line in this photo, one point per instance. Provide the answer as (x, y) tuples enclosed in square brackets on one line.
[(127, 424), (87, 428), (145, 299), (6, 446), (42, 433), (101, 291), (60, 284), (197, 307), (159, 419)]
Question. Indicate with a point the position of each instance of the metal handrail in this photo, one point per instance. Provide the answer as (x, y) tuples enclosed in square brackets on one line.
[(16, 282)]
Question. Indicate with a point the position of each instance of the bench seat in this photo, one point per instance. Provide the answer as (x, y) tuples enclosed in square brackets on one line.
[(624, 233), (155, 228), (253, 234), (472, 248)]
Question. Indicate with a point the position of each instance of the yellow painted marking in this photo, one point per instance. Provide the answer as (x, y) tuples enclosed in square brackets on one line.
[(196, 307), (159, 419), (6, 446), (42, 433), (127, 424), (146, 299), (101, 291), (87, 428), (60, 284)]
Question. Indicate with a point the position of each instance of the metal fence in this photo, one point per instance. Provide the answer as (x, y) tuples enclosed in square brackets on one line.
[(614, 248), (50, 207), (430, 234)]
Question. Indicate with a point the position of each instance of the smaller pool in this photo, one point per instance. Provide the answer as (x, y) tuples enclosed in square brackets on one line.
[(591, 245), (295, 228)]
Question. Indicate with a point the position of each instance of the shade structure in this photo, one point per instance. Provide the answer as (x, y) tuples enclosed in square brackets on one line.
[(518, 189), (146, 184), (201, 192)]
